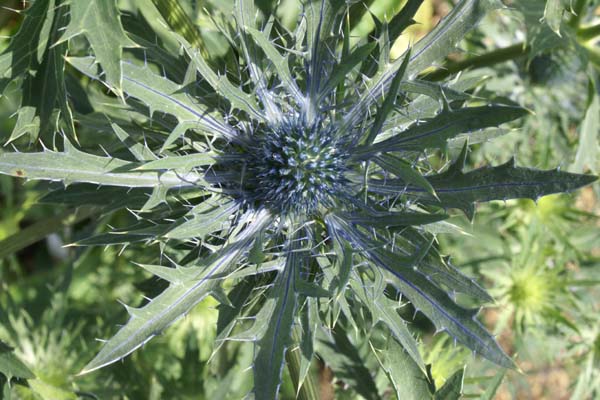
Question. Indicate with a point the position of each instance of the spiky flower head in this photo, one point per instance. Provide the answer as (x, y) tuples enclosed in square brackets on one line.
[(300, 155), (297, 167), (536, 288)]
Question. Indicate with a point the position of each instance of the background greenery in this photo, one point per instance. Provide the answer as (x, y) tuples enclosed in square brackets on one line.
[(543, 268)]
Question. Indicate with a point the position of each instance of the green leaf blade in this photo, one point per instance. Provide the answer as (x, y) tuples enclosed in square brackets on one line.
[(269, 360), (428, 298), (461, 190), (27, 47), (408, 380), (453, 387), (11, 366), (441, 41), (164, 95), (173, 303), (186, 162), (99, 21), (72, 166), (553, 14), (435, 132)]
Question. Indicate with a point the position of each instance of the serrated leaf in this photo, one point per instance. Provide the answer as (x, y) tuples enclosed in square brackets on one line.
[(50, 81), (435, 132), (203, 220), (180, 22), (146, 233), (27, 47), (457, 189), (260, 324), (404, 171), (99, 21), (423, 107), (72, 166), (337, 283), (383, 310), (221, 84), (177, 300), (441, 41), (460, 190), (282, 302), (541, 37), (436, 45), (388, 219), (408, 380), (445, 227), (389, 101), (227, 318), (148, 36), (138, 150), (151, 320), (310, 289), (109, 197), (482, 136), (43, 88), (320, 18), (403, 19), (438, 269), (553, 14), (162, 94), (27, 120), (434, 90), (345, 66), (343, 262), (428, 298), (309, 321), (175, 275), (445, 275), (246, 15), (11, 366), (280, 63), (452, 389), (387, 31), (186, 162)]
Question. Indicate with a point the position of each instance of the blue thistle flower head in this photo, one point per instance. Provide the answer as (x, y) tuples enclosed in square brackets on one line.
[(296, 166)]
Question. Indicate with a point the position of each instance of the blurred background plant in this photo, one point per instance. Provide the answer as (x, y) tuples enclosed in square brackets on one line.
[(543, 268)]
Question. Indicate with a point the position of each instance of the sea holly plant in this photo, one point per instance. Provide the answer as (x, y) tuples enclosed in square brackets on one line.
[(298, 177)]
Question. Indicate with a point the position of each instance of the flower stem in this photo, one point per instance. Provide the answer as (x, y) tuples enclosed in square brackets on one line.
[(484, 60), (500, 55), (310, 388), (588, 32)]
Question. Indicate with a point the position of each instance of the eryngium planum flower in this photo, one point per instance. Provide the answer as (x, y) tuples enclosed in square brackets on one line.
[(296, 167), (293, 177)]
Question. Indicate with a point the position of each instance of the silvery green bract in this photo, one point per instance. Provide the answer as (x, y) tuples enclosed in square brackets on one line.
[(292, 179)]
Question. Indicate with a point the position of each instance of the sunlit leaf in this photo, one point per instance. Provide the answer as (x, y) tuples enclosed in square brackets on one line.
[(99, 21)]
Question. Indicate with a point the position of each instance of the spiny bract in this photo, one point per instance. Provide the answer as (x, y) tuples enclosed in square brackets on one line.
[(291, 177)]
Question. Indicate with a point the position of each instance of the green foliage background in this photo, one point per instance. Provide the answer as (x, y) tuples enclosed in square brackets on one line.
[(541, 261)]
